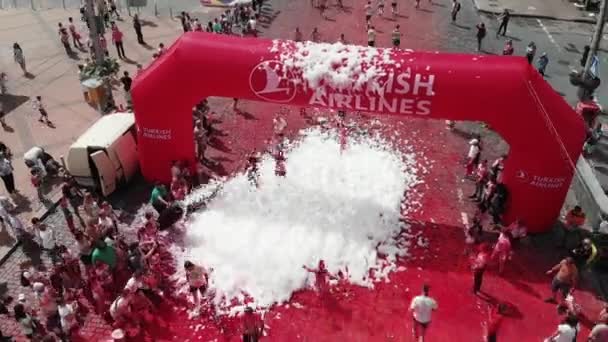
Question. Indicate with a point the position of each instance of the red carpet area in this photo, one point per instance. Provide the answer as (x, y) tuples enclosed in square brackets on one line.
[(359, 314)]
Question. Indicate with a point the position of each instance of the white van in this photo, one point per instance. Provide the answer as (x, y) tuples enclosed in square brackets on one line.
[(105, 156)]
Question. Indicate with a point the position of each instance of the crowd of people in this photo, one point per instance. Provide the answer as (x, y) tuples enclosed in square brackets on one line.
[(129, 280)]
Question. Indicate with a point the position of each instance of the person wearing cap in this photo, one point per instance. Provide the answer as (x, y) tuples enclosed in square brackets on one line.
[(253, 326), (472, 156), (422, 307)]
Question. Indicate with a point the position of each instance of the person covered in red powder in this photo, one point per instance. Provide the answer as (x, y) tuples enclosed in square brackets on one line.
[(565, 279), (473, 232), (279, 157), (197, 277), (422, 307), (502, 250), (322, 277), (472, 157), (495, 320), (342, 129), (482, 175), (253, 172), (479, 265), (253, 326)]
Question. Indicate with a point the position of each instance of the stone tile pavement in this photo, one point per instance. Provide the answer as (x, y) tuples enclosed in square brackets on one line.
[(55, 79)]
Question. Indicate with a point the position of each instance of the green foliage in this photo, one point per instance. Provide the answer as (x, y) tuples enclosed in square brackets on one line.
[(108, 68)]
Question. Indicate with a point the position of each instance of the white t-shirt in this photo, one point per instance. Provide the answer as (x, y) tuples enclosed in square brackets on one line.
[(566, 333), (66, 314), (473, 151), (119, 308), (371, 35), (603, 227), (423, 307), (47, 238)]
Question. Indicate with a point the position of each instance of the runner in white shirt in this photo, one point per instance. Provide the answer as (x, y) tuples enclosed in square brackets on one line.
[(371, 36), (566, 332), (422, 307)]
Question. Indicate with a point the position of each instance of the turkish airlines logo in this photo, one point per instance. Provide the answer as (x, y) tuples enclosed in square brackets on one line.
[(270, 81), (522, 176)]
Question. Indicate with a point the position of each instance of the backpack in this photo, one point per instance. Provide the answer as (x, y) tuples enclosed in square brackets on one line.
[(458, 7)]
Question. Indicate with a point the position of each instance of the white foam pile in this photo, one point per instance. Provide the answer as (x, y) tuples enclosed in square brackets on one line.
[(342, 207), (338, 66)]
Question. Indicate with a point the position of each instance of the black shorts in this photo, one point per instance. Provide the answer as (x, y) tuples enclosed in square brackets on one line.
[(368, 17), (557, 285), (371, 43), (396, 42), (492, 338), (423, 325), (200, 288), (43, 112), (394, 4)]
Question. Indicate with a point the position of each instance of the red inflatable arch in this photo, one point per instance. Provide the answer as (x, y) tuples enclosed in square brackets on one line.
[(544, 134)]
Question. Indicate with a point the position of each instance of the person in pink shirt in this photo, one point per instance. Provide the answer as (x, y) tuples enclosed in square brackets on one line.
[(502, 249), (481, 178), (117, 37), (75, 35), (179, 189)]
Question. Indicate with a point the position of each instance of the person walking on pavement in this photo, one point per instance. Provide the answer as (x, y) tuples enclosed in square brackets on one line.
[(481, 34), (65, 40), (297, 35), (6, 173), (315, 36), (137, 28), (530, 52), (422, 307), (585, 55), (44, 116), (126, 84), (185, 19), (480, 263), (75, 35), (542, 63), (369, 10), (396, 37), (455, 9), (117, 36), (371, 36), (504, 22), (19, 58), (508, 49)]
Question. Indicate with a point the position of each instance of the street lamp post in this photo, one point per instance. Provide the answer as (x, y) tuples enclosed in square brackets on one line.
[(590, 82), (94, 33)]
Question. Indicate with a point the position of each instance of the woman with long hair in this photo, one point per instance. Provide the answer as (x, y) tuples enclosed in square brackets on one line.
[(19, 58)]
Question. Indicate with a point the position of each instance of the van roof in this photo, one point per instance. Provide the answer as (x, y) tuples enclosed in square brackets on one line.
[(105, 130)]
